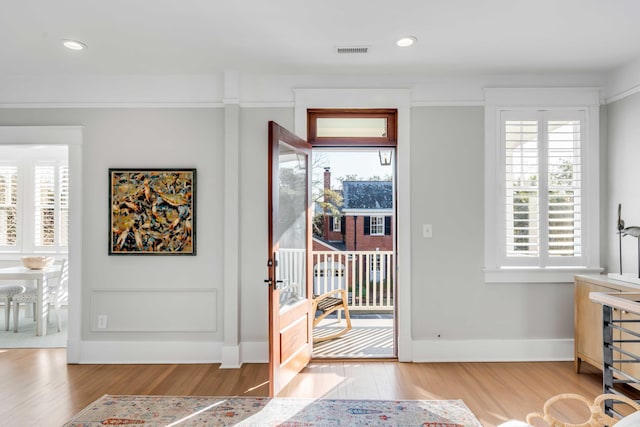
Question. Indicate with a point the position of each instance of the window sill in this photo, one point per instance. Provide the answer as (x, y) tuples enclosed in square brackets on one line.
[(536, 274)]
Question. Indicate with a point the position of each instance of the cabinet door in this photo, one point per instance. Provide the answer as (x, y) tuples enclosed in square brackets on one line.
[(588, 324)]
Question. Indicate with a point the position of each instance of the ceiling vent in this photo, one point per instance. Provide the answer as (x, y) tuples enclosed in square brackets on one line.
[(352, 49)]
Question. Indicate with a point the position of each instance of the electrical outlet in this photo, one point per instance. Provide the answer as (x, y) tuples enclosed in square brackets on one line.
[(102, 321)]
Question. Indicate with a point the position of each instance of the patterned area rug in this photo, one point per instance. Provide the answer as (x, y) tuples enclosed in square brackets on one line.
[(168, 411)]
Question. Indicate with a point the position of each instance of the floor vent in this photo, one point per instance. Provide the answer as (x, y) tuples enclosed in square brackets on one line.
[(352, 49)]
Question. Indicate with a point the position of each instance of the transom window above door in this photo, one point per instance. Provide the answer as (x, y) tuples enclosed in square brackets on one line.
[(352, 127)]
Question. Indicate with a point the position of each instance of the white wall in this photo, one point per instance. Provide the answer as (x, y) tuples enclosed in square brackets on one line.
[(624, 180)]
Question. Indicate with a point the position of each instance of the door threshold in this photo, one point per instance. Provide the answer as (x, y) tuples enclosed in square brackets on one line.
[(353, 359)]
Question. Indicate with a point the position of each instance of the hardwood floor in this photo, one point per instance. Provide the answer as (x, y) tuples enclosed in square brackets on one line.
[(40, 389)]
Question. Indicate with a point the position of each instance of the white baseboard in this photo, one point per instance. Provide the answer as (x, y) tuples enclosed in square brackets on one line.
[(73, 351), (492, 350), (254, 352), (147, 352), (458, 351), (122, 352), (231, 357)]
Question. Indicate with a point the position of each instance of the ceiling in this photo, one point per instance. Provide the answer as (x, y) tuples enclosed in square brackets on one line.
[(193, 37)]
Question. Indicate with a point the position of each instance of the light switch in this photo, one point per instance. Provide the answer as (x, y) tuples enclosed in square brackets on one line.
[(427, 231)]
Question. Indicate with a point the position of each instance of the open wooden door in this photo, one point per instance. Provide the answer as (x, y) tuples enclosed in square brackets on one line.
[(290, 284)]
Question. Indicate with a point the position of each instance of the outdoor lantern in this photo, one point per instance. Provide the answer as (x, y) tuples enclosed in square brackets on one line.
[(385, 157)]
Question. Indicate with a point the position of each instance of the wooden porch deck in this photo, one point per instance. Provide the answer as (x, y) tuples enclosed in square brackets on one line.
[(369, 338)]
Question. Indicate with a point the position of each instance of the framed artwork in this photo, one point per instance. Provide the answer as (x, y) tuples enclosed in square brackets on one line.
[(152, 211)]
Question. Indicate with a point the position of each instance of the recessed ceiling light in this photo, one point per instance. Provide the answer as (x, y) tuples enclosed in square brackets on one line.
[(74, 44), (406, 41)]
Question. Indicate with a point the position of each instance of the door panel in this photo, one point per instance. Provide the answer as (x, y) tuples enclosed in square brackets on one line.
[(289, 281)]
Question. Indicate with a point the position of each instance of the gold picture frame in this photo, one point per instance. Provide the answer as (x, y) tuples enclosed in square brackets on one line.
[(152, 211)]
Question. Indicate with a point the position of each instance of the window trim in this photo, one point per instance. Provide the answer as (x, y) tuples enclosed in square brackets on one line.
[(529, 99), (542, 118)]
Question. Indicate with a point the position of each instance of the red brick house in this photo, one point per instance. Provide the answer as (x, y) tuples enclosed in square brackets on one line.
[(365, 219)]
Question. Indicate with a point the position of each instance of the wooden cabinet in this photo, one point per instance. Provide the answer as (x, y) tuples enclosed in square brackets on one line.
[(588, 318)]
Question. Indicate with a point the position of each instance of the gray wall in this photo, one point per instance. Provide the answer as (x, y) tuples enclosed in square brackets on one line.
[(449, 295), (253, 218), (623, 143), (145, 294)]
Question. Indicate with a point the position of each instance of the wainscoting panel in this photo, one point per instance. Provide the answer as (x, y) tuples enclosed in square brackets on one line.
[(154, 310)]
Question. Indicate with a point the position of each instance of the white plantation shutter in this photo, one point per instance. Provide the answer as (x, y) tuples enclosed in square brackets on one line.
[(64, 206), (51, 206), (564, 197), (522, 188), (8, 207), (45, 205), (542, 188)]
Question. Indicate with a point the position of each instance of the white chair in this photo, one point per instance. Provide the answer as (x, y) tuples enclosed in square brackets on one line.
[(7, 292), (56, 294)]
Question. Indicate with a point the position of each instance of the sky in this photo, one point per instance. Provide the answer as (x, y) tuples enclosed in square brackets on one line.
[(365, 164)]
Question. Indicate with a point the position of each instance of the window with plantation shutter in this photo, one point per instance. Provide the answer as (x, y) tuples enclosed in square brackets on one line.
[(542, 182), (542, 179), (34, 200), (8, 206)]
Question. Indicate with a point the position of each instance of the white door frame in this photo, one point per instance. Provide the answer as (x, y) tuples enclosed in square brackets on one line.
[(71, 136), (399, 99)]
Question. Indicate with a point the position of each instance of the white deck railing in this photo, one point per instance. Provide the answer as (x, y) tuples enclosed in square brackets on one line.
[(366, 275)]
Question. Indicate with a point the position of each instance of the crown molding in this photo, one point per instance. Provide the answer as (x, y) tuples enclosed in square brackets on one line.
[(267, 90), (444, 103), (69, 105), (623, 82), (622, 95)]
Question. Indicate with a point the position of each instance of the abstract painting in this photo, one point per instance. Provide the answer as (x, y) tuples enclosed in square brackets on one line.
[(152, 211)]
